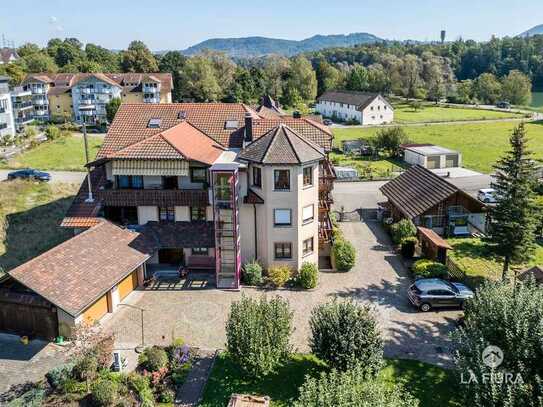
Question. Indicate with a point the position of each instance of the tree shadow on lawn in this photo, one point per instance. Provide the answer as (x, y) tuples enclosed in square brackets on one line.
[(282, 386), (34, 231)]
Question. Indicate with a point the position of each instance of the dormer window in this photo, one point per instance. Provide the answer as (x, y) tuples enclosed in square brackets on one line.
[(182, 115), (154, 123), (231, 125)]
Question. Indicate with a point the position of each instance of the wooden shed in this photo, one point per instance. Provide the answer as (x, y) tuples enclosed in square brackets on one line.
[(432, 245)]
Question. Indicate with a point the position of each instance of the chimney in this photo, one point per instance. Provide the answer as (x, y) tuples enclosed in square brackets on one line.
[(248, 127)]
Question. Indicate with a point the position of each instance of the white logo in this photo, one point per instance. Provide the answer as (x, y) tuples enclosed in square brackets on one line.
[(492, 356)]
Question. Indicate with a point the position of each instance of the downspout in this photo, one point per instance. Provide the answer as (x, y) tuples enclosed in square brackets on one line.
[(256, 233)]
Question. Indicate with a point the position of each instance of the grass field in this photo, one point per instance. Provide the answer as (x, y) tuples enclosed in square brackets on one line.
[(63, 154), (367, 167), (475, 257), (430, 384), (404, 113), (29, 217), (481, 144)]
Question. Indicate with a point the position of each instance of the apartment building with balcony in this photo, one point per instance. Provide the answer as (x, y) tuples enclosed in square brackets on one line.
[(7, 124), (59, 97), (23, 108), (210, 186)]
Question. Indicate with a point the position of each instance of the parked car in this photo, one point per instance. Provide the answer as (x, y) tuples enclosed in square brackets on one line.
[(328, 122), (487, 195), (428, 293), (30, 174), (503, 105)]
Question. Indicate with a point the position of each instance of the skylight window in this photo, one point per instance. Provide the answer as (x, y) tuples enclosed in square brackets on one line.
[(154, 123), (231, 124)]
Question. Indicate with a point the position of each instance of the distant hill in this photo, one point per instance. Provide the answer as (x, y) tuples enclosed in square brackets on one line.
[(258, 46), (537, 30)]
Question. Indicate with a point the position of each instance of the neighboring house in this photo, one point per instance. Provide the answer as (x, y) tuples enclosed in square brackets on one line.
[(214, 185), (59, 97), (23, 109), (8, 55), (82, 279), (431, 156), (430, 201), (7, 124), (365, 108), (535, 272)]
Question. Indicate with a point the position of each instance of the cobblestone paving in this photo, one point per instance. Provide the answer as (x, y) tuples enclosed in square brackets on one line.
[(378, 277)]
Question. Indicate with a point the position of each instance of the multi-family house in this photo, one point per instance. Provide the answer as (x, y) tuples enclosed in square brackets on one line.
[(180, 188), (7, 125), (63, 96), (8, 55), (23, 108), (362, 107)]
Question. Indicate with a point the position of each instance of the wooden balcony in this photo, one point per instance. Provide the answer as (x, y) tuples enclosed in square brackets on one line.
[(154, 197), (325, 229)]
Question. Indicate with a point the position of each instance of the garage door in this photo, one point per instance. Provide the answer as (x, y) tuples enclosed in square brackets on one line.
[(128, 285), (97, 310), (432, 162), (452, 161)]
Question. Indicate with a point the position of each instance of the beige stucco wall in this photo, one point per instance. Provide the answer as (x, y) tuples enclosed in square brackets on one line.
[(146, 214), (132, 97), (60, 106)]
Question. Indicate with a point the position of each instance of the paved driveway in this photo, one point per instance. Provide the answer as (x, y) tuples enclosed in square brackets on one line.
[(378, 278)]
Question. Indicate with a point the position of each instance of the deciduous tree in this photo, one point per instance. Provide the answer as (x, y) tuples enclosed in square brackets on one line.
[(517, 88)]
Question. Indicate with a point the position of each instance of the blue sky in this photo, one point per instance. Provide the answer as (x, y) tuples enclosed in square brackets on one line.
[(169, 24)]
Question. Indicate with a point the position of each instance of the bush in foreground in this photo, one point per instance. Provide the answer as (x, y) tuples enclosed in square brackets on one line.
[(153, 359), (510, 318), (344, 254), (344, 333), (279, 275), (351, 388), (425, 268), (308, 275), (104, 393), (252, 273), (258, 334), (402, 230)]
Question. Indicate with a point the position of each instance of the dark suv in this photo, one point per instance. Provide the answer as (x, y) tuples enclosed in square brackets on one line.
[(429, 293)]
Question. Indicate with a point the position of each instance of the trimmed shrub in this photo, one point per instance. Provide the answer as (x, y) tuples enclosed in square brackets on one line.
[(58, 375), (352, 388), (252, 273), (104, 393), (344, 333), (344, 254), (425, 268), (408, 247), (401, 230), (258, 334), (308, 275), (153, 359), (279, 274)]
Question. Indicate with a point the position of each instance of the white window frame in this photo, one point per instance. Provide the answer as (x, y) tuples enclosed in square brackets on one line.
[(308, 214)]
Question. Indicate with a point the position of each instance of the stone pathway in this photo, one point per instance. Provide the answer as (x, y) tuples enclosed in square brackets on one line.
[(191, 392)]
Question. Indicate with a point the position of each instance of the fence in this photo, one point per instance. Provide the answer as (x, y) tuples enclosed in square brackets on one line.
[(455, 271)]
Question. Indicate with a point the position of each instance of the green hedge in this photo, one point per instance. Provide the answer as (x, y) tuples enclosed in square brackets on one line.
[(429, 269)]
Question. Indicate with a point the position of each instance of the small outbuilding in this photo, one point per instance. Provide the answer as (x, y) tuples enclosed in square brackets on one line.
[(433, 246), (346, 174), (431, 156)]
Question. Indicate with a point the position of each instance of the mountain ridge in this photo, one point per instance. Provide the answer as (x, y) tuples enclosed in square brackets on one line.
[(256, 46), (536, 30)]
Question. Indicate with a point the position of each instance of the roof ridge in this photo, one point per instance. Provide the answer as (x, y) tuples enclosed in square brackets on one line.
[(219, 145), (305, 140), (287, 136), (272, 141), (138, 143)]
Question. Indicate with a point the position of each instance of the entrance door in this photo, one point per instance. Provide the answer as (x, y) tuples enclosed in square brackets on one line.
[(170, 256)]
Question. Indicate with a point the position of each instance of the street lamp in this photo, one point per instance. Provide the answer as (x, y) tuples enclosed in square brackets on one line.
[(86, 110)]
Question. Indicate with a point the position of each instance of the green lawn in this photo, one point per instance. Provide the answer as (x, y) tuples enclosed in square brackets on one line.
[(29, 217), (63, 154), (481, 144), (404, 113), (367, 167), (477, 260), (431, 384)]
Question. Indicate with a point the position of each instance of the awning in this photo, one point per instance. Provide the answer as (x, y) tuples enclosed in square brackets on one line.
[(151, 167)]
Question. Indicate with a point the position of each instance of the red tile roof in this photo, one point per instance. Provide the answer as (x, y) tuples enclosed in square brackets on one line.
[(76, 273), (131, 120)]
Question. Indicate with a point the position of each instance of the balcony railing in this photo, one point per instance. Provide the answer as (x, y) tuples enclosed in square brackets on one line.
[(151, 100), (325, 229), (38, 91), (22, 105), (154, 197), (150, 89)]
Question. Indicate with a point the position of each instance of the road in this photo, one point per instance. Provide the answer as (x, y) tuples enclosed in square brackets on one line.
[(56, 176)]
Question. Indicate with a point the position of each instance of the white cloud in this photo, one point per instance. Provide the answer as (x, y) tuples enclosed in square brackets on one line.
[(55, 24)]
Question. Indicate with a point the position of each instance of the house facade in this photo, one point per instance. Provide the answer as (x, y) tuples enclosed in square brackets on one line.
[(7, 124), (213, 186), (23, 109), (364, 108), (60, 97)]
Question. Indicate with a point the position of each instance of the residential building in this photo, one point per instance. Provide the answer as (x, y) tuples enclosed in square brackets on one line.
[(431, 156), (430, 201), (8, 55), (269, 108), (23, 108), (59, 97), (7, 125), (364, 108)]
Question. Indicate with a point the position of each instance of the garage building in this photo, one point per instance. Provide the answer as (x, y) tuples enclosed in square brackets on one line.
[(431, 156), (82, 279)]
